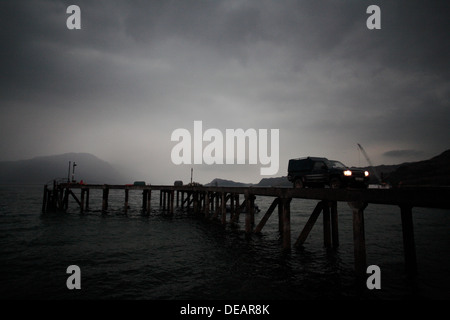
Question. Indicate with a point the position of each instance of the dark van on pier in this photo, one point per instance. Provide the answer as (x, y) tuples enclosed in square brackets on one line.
[(321, 172)]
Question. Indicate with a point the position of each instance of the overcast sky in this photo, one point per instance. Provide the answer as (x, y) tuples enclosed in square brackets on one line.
[(138, 70)]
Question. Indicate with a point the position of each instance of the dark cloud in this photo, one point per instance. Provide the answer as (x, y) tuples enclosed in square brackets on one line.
[(137, 70)]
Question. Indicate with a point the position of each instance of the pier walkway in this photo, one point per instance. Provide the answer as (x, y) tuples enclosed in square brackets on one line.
[(212, 203)]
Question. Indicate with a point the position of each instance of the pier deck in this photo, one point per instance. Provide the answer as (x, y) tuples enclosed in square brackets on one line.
[(211, 202)]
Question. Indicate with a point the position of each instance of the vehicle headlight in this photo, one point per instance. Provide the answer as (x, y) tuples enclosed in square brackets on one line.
[(347, 173), (366, 173)]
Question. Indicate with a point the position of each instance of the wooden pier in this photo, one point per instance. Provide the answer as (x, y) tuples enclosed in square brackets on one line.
[(212, 202)]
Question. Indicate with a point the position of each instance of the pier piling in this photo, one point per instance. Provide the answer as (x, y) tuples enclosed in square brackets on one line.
[(211, 203), (286, 213), (334, 224), (44, 200), (105, 199), (408, 240), (359, 240), (326, 225), (125, 205), (83, 192)]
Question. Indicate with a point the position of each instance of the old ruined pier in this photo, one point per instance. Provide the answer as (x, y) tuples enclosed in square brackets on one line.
[(211, 202)]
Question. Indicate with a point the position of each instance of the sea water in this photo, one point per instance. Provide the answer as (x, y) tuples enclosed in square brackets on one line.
[(181, 256)]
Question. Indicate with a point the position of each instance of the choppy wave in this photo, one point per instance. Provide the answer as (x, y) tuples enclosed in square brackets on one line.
[(132, 256)]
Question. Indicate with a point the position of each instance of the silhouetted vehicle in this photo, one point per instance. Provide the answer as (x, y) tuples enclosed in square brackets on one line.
[(321, 172)]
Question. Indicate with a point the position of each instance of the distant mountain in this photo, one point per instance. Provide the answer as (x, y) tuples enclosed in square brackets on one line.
[(41, 170), (275, 182), (435, 171), (265, 182), (227, 183)]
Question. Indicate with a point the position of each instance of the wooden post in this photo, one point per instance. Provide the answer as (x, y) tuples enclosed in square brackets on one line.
[(125, 205), (49, 201), (326, 225), (252, 215), (178, 198), (201, 201), (66, 199), (359, 240), (160, 198), (149, 201), (286, 209), (190, 200), (263, 221), (249, 212), (144, 201), (309, 224), (195, 203), (105, 199), (212, 202), (280, 217), (223, 208), (166, 200), (86, 206), (334, 224), (172, 199), (182, 199), (44, 200), (237, 208), (232, 197), (185, 200), (60, 198), (409, 246), (207, 204), (54, 196), (216, 206), (83, 191)]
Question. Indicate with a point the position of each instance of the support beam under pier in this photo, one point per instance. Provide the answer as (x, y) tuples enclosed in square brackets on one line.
[(286, 214), (409, 246), (359, 240)]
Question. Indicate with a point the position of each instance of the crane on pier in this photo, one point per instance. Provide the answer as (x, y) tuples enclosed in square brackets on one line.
[(370, 163)]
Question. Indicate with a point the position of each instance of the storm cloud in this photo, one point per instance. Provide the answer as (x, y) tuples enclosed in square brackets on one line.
[(138, 70)]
